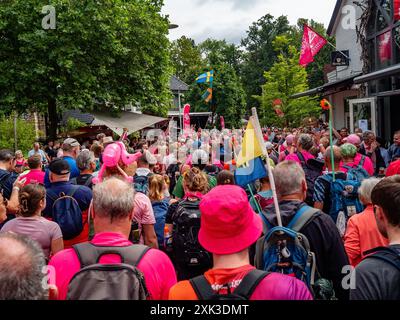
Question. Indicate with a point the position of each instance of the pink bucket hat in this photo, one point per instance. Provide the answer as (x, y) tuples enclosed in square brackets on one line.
[(228, 222), (353, 139)]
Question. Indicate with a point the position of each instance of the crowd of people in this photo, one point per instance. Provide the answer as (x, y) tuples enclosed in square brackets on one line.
[(164, 218)]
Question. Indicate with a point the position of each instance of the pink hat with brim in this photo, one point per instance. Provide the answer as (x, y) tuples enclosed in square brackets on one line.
[(228, 222)]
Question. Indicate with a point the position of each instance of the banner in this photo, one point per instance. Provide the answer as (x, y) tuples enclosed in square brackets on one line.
[(385, 46), (222, 122), (396, 10), (186, 120), (312, 43)]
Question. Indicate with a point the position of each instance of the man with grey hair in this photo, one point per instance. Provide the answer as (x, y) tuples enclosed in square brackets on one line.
[(320, 230), (86, 163), (112, 213), (22, 272)]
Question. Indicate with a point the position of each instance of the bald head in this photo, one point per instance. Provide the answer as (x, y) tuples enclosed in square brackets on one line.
[(21, 266), (113, 199)]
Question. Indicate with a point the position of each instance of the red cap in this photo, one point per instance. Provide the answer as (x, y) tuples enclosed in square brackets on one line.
[(228, 222)]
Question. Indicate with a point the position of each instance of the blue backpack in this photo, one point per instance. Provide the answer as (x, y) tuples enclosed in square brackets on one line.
[(160, 209), (285, 250), (344, 193), (67, 213)]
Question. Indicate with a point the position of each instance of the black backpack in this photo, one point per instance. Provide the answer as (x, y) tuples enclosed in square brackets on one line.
[(244, 291), (312, 169), (186, 248), (95, 281), (87, 183)]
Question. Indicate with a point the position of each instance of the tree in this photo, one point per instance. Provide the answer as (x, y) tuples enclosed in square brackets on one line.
[(315, 70), (228, 93), (186, 59), (285, 78), (110, 51), (25, 134), (259, 54)]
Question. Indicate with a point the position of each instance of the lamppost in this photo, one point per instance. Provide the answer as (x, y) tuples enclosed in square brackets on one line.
[(180, 111)]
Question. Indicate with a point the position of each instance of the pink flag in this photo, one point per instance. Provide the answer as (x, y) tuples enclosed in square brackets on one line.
[(311, 44), (396, 11), (186, 120), (385, 46), (222, 122)]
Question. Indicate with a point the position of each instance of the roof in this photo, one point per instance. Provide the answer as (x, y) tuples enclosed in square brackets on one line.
[(387, 72), (86, 118), (328, 86), (176, 113), (133, 121), (335, 14), (175, 84)]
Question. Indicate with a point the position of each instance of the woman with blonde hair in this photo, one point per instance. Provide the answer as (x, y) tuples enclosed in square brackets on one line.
[(183, 222), (160, 204)]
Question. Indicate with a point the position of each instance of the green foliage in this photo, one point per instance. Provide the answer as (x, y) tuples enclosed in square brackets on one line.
[(186, 59), (111, 50), (73, 124), (285, 78), (259, 53), (25, 134), (228, 93)]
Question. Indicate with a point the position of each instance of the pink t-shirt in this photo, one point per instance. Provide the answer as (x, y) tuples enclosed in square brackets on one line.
[(143, 212), (293, 157), (37, 228), (368, 165), (33, 176), (157, 268)]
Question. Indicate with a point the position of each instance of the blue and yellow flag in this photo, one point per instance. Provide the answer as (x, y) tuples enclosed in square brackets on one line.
[(251, 147), (207, 96), (206, 77)]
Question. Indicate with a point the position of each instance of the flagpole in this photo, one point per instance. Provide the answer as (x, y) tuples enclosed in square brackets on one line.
[(257, 129), (254, 199)]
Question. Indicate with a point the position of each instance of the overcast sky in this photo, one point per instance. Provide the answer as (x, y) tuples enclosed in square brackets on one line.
[(230, 19)]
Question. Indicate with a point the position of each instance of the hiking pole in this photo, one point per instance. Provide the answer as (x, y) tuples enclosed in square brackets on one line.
[(257, 129)]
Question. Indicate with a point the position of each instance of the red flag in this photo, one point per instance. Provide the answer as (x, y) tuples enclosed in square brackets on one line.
[(396, 11), (186, 119), (385, 46), (311, 44), (277, 105)]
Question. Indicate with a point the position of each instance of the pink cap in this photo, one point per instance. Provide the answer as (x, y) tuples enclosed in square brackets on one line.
[(353, 139), (228, 222)]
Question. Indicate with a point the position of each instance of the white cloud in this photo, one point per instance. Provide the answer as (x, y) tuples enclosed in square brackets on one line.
[(230, 19)]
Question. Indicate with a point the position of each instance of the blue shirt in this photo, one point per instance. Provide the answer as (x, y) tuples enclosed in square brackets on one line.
[(394, 151), (73, 168), (83, 195)]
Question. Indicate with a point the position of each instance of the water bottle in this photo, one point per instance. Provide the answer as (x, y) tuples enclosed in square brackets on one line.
[(167, 238)]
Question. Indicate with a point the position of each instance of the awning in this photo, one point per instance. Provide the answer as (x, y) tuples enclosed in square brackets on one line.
[(131, 120), (387, 72), (336, 86)]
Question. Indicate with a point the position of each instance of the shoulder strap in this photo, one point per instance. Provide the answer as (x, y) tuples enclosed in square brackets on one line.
[(88, 181), (301, 158), (89, 254), (52, 195), (362, 161), (303, 215), (386, 254), (202, 288), (249, 283), (74, 189)]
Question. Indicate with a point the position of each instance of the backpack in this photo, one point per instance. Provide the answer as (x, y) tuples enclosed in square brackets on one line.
[(357, 173), (185, 244), (312, 170), (117, 281), (86, 184), (345, 201), (285, 250), (160, 209), (67, 213), (244, 291), (141, 183)]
